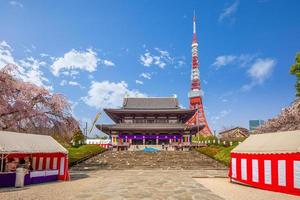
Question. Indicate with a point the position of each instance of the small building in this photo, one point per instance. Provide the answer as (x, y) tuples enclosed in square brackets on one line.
[(44, 158), (268, 161), (253, 124), (105, 143), (234, 134), (150, 121)]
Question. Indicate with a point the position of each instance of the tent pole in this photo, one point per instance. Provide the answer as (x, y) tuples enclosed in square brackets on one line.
[(2, 162)]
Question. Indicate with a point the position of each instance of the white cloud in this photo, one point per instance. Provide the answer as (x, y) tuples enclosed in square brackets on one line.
[(260, 71), (108, 63), (63, 83), (44, 55), (90, 76), (146, 59), (72, 73), (74, 83), (16, 3), (229, 11), (224, 60), (241, 60), (219, 116), (181, 62), (107, 94), (28, 69), (146, 75), (5, 54), (139, 82), (83, 60), (159, 58)]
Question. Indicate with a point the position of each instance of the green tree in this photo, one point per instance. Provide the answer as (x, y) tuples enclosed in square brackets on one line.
[(78, 138), (295, 70)]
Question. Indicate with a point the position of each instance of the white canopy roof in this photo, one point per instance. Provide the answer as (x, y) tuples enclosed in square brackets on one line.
[(278, 142), (12, 142)]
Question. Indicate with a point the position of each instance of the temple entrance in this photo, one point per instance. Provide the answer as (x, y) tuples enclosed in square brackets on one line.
[(137, 142), (163, 141), (150, 141)]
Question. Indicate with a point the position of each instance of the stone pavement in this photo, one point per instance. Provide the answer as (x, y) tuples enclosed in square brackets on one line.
[(122, 184)]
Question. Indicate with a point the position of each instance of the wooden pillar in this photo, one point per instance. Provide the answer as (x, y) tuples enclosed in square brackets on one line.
[(144, 140)]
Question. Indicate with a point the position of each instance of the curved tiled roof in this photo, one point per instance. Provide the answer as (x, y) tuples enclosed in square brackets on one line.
[(150, 103)]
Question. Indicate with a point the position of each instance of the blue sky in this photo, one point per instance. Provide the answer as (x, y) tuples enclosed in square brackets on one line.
[(95, 51)]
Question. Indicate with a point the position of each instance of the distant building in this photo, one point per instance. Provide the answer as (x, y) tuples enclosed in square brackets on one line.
[(253, 124), (234, 134), (105, 143)]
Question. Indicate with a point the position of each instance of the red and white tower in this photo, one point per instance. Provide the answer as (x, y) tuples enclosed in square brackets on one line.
[(196, 93)]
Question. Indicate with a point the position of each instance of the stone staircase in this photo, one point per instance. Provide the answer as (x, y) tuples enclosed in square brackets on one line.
[(139, 160)]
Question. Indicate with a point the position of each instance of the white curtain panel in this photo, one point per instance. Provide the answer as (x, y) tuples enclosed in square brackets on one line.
[(255, 170), (37, 174), (281, 173), (233, 167), (33, 163), (47, 163), (297, 174), (54, 164), (268, 174), (51, 172), (62, 166), (244, 169), (40, 163)]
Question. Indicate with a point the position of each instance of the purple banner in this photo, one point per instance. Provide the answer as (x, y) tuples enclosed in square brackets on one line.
[(7, 179), (140, 137)]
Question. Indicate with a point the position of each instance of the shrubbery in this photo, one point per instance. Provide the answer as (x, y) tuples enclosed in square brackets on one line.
[(218, 152)]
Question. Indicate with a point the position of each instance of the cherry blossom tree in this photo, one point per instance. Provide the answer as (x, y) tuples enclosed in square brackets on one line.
[(25, 107), (287, 120)]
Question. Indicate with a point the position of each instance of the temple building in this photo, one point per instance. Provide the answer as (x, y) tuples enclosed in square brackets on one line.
[(150, 121), (160, 120)]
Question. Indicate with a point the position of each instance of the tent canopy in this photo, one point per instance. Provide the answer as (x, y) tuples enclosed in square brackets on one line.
[(278, 142), (12, 142)]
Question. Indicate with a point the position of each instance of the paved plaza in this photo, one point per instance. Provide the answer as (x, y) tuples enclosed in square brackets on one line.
[(121, 184), (110, 176)]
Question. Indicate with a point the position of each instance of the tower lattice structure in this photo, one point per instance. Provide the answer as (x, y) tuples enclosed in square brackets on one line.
[(196, 93)]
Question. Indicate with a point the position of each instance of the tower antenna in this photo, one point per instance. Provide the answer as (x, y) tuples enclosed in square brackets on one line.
[(196, 93)]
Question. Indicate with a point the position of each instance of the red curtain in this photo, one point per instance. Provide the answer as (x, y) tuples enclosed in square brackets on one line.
[(289, 160)]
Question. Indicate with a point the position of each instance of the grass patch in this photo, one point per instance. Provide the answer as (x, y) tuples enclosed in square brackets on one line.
[(224, 155), (84, 151), (217, 152)]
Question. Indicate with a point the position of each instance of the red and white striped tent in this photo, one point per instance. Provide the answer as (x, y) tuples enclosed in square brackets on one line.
[(48, 157), (268, 161)]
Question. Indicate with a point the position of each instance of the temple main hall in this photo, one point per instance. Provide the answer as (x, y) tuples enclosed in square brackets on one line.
[(150, 121)]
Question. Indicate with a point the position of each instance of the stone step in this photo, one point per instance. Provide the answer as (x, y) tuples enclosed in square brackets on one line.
[(149, 160)]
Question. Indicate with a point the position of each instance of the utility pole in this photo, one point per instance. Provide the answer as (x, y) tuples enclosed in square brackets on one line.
[(86, 129)]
